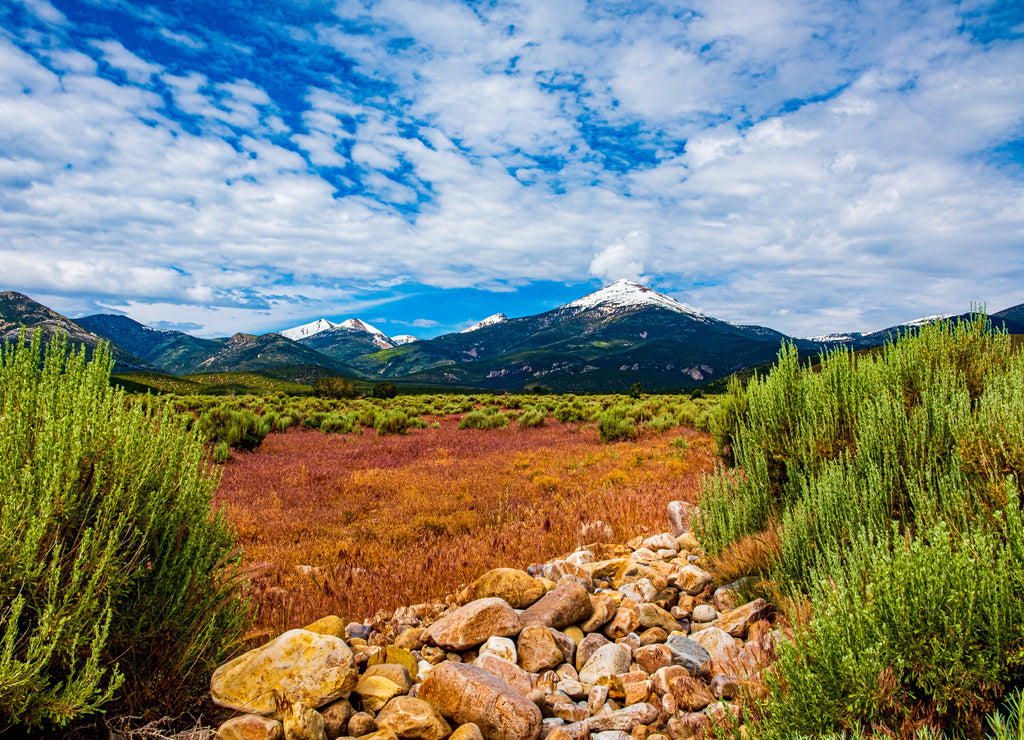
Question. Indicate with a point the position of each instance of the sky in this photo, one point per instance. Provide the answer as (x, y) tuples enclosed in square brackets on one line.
[(813, 166)]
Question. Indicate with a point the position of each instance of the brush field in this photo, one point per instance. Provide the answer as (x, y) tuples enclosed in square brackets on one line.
[(349, 524)]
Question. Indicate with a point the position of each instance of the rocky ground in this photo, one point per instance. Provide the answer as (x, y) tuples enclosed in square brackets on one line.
[(611, 642)]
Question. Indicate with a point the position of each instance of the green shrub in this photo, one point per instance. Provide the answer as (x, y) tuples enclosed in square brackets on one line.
[(894, 481), (570, 412), (338, 423), (384, 390), (613, 426), (392, 421), (532, 417), (661, 423), (334, 388), (243, 429), (489, 418), (119, 587), (221, 452)]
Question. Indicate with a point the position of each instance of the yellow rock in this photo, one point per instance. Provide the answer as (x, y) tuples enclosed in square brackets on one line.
[(413, 718), (376, 691), (516, 587), (330, 625), (395, 655), (468, 731), (250, 727), (299, 667)]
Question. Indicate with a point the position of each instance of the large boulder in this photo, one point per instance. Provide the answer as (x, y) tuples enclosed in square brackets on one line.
[(652, 615), (517, 587), (465, 693), (567, 604), (473, 623), (608, 660), (689, 654), (739, 619), (719, 645), (691, 579), (299, 667), (508, 672), (538, 650), (250, 727), (680, 517), (410, 717), (603, 610)]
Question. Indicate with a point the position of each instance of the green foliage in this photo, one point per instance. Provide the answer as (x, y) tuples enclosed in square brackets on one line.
[(532, 417), (119, 587), (1010, 727), (334, 388), (571, 412), (242, 430), (384, 390), (636, 390), (339, 423), (894, 481), (489, 418), (394, 421), (613, 425), (221, 452)]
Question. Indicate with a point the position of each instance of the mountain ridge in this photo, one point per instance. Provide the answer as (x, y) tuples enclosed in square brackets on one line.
[(605, 341)]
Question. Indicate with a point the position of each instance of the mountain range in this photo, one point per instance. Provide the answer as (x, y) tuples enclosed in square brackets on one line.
[(624, 333)]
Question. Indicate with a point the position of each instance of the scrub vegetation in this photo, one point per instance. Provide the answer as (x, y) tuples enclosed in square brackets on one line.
[(888, 489), (120, 587)]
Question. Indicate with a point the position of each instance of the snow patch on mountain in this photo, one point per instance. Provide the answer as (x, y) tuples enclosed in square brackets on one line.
[(404, 339), (307, 330), (491, 320), (926, 320), (627, 294), (380, 339), (832, 338)]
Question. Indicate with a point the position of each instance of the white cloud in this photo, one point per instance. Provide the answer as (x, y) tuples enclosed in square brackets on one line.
[(872, 204), (136, 69), (183, 39), (623, 258)]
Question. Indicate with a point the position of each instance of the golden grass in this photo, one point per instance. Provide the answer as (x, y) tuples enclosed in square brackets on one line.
[(378, 522)]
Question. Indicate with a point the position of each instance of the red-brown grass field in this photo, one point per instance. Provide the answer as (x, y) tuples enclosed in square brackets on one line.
[(396, 520)]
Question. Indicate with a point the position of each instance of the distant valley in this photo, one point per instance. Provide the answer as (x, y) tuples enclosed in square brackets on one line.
[(624, 333)]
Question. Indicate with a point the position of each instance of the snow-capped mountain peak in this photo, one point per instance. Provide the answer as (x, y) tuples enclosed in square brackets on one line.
[(381, 339), (627, 294), (491, 320), (401, 339), (307, 330)]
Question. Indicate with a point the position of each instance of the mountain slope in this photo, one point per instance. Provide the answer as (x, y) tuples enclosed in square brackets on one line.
[(621, 334), (17, 310), (264, 352), (1012, 318), (172, 351)]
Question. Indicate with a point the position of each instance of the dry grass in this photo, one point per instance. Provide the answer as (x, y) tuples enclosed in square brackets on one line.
[(752, 555), (350, 524)]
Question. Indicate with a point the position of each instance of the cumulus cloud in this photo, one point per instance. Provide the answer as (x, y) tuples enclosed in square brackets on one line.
[(809, 166), (622, 259)]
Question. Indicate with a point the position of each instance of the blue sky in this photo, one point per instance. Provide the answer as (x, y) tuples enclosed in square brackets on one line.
[(236, 166)]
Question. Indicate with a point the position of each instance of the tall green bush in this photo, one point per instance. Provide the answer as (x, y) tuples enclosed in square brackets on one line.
[(894, 481), (241, 429), (119, 587)]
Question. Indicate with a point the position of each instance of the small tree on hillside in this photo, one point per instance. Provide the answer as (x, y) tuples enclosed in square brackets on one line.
[(334, 388), (385, 390)]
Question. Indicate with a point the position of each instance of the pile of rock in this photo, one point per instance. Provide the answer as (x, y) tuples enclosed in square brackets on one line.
[(611, 642)]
